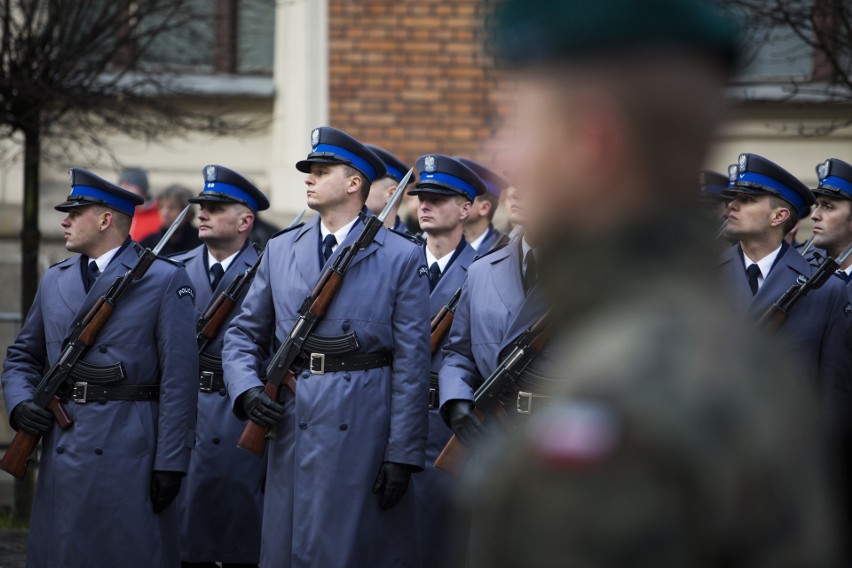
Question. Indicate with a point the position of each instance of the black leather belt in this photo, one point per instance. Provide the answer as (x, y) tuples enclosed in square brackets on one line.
[(434, 391), (320, 363), (84, 392), (211, 378)]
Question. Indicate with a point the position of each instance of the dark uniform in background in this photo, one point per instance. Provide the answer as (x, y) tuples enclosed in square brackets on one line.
[(440, 177), (678, 436), (396, 170), (494, 185), (223, 500), (131, 437)]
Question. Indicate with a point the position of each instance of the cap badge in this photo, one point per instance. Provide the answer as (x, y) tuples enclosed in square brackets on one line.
[(315, 135), (733, 172), (430, 163), (823, 169), (211, 173), (743, 162)]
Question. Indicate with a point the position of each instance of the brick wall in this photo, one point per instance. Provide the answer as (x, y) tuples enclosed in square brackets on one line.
[(413, 76)]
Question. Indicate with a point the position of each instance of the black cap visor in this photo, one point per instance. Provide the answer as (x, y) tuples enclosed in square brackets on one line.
[(829, 191), (78, 201), (215, 196), (435, 188), (304, 166)]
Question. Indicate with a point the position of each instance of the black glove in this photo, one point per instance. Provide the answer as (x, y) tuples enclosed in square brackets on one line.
[(392, 483), (165, 486), (261, 409), (463, 421), (31, 418)]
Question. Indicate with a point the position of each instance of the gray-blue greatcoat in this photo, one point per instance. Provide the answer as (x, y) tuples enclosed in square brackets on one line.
[(816, 326), (339, 427), (92, 503), (223, 498), (492, 312), (433, 487)]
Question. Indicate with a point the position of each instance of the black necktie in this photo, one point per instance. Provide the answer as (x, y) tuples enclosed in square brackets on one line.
[(753, 272), (92, 274), (327, 244), (434, 275), (530, 272), (216, 274)]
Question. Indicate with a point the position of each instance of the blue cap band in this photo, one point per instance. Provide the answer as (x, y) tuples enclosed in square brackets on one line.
[(357, 161), (394, 173), (788, 194), (838, 183), (452, 181), (111, 199), (232, 190)]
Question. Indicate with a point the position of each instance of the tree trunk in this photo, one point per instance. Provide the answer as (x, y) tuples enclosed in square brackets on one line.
[(30, 241)]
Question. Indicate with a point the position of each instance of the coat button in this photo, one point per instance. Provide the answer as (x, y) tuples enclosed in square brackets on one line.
[(347, 376), (98, 451), (223, 392), (102, 348), (60, 450), (345, 325), (216, 441), (343, 427), (303, 425), (305, 374)]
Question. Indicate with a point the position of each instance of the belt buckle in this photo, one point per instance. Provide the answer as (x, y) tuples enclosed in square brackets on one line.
[(524, 404), (79, 392), (317, 365), (205, 381), (433, 398)]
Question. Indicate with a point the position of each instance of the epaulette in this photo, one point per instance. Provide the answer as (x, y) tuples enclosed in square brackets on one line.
[(492, 251), (61, 261), (408, 236), (287, 230), (173, 261)]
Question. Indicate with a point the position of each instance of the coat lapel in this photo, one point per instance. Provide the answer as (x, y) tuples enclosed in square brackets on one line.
[(197, 272), (530, 310), (734, 277), (306, 245), (241, 263), (452, 279), (507, 277), (783, 275), (350, 240)]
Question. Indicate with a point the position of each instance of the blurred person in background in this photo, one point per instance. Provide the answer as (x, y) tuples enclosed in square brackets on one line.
[(146, 219), (382, 189), (170, 202), (676, 434), (479, 228)]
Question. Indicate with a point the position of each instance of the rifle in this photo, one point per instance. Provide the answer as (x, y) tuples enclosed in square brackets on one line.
[(56, 385), (208, 326), (777, 313), (313, 309), (720, 232), (443, 320), (807, 246), (488, 398), (507, 238)]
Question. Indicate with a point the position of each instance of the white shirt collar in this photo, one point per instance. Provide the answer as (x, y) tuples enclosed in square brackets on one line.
[(211, 260), (103, 260), (340, 234), (477, 242), (764, 264), (442, 262)]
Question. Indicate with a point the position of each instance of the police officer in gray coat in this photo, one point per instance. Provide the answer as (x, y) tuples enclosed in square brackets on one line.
[(479, 228), (106, 484), (223, 501), (347, 442), (445, 192), (767, 202), (382, 189)]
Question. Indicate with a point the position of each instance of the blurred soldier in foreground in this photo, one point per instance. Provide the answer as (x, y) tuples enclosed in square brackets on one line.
[(479, 228), (446, 191), (680, 436), (382, 189), (106, 483), (223, 501), (170, 202), (348, 440)]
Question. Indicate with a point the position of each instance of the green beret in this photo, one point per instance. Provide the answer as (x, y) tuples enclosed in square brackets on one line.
[(535, 31)]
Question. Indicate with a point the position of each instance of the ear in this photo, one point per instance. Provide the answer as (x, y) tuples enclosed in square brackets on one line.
[(483, 208), (355, 183), (106, 220), (390, 190), (246, 222), (465, 211), (779, 216)]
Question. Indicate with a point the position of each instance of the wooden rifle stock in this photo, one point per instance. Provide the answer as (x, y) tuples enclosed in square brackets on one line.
[(443, 321), (24, 444), (216, 316), (453, 457)]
